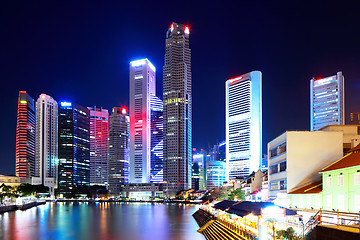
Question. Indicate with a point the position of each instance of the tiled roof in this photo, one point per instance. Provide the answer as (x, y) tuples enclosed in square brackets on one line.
[(350, 160), (314, 187), (357, 148)]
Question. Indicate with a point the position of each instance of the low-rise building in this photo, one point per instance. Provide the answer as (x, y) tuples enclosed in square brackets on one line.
[(341, 183), (142, 191), (296, 157), (12, 181), (351, 134), (259, 189)]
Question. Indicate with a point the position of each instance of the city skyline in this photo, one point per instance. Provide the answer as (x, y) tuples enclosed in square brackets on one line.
[(278, 88)]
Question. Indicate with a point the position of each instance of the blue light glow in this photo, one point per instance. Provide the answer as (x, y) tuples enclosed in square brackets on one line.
[(66, 104), (142, 62)]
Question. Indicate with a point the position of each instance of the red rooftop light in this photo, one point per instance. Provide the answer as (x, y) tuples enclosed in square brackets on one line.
[(235, 79), (187, 29), (172, 26), (123, 110)]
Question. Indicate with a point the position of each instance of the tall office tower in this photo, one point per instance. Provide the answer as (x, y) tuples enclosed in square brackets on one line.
[(198, 180), (327, 102), (156, 128), (243, 125), (355, 118), (46, 142), (118, 149), (215, 174), (25, 136), (74, 149), (99, 144), (177, 100), (145, 113)]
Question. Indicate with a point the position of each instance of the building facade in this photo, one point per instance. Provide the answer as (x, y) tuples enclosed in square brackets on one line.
[(99, 144), (215, 174), (46, 142), (327, 101), (295, 159), (243, 125), (74, 149), (145, 123), (25, 136), (177, 100), (198, 173), (118, 149)]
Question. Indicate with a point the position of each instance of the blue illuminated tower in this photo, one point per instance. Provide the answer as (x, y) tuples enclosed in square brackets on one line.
[(74, 149), (243, 125)]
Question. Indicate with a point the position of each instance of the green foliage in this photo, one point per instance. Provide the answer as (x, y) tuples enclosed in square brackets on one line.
[(30, 190), (237, 194), (228, 193), (288, 234)]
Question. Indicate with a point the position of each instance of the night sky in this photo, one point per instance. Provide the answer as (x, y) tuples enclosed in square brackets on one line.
[(80, 51)]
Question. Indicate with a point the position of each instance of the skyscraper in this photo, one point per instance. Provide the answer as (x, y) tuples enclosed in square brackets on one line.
[(25, 136), (177, 100), (99, 144), (74, 148), (145, 123), (46, 143), (327, 104), (118, 149), (243, 125)]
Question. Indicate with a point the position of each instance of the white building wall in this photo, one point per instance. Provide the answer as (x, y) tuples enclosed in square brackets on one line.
[(306, 154)]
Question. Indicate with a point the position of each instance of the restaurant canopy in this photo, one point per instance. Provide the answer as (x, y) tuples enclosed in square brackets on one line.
[(243, 208)]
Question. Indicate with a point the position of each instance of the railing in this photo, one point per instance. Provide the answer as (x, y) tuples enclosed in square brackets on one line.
[(239, 230), (334, 219)]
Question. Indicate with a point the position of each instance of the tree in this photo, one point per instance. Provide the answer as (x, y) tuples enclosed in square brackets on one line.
[(237, 194), (288, 234)]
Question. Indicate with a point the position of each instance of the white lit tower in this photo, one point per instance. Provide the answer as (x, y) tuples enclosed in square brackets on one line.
[(327, 104), (46, 142), (243, 125), (143, 101), (177, 112)]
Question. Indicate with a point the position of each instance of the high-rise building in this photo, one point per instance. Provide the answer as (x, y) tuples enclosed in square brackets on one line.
[(198, 181), (156, 149), (25, 136), (177, 100), (46, 142), (327, 104), (243, 125), (118, 149), (74, 148), (145, 123), (99, 144), (215, 174)]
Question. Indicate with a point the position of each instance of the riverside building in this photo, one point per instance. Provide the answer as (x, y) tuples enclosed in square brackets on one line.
[(74, 149), (46, 143), (118, 149), (243, 125), (145, 124), (327, 101), (25, 136), (99, 143), (177, 100)]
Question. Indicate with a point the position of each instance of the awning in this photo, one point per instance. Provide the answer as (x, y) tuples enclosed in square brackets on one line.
[(224, 205)]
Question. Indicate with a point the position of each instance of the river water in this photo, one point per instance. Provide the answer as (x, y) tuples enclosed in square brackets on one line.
[(105, 221)]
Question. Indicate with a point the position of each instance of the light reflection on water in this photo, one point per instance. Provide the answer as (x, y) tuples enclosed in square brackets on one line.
[(108, 221)]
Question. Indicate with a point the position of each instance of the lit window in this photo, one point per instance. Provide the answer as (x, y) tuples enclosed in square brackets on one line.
[(329, 181), (341, 180), (357, 178)]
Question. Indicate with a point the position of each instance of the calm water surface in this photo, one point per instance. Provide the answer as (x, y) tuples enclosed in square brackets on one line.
[(108, 221)]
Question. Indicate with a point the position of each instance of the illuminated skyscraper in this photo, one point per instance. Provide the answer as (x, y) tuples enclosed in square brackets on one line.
[(74, 149), (99, 144), (243, 125), (25, 136), (46, 143), (327, 101), (177, 100), (118, 149), (145, 124)]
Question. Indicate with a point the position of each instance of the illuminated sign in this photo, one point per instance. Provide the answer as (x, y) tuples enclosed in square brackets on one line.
[(187, 30), (273, 212), (141, 62), (23, 102), (235, 79), (66, 104)]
